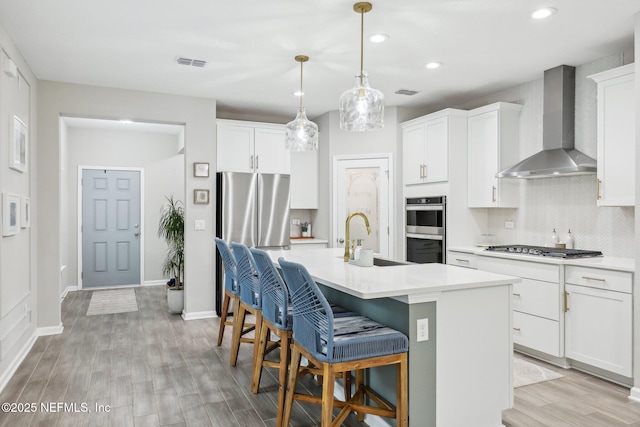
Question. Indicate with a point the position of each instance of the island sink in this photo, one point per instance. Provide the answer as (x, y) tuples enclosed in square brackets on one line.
[(383, 262)]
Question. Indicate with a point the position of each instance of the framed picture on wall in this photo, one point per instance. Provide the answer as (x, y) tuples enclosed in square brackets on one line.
[(201, 170), (18, 146), (10, 214), (25, 212), (201, 197)]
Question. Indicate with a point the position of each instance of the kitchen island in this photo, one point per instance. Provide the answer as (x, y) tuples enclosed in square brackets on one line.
[(459, 326)]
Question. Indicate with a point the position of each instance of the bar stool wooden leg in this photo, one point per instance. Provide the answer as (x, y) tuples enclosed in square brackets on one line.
[(327, 395), (360, 392), (257, 369), (402, 392), (238, 326), (282, 374), (291, 385), (223, 317), (256, 344)]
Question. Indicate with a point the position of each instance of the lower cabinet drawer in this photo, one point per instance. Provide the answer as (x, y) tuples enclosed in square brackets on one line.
[(619, 281), (537, 333), (538, 298), (461, 259)]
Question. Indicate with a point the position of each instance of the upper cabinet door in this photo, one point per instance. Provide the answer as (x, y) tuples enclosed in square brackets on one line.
[(413, 139), (616, 137), (493, 133), (235, 148), (437, 150), (269, 150)]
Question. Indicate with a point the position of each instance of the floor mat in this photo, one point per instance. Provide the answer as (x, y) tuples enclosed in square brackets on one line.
[(112, 301), (526, 373)]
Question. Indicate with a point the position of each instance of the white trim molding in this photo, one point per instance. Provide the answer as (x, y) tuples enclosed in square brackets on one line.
[(634, 394), (13, 366), (67, 290), (199, 315), (50, 330)]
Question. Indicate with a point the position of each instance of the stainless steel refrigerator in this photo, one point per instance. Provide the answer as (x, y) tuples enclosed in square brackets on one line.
[(253, 209)]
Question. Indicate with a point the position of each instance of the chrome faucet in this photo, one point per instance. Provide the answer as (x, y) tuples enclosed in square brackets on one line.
[(346, 231)]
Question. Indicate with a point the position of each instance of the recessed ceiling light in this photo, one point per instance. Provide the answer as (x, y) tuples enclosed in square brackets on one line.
[(298, 93), (433, 65), (378, 38), (543, 12), (126, 122)]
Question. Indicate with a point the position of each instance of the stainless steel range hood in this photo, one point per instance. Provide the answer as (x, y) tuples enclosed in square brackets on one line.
[(558, 157)]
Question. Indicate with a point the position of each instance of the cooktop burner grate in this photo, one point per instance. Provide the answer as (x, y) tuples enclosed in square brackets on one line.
[(545, 251)]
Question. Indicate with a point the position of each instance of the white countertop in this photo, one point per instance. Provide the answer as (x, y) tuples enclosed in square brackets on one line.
[(327, 267), (308, 241), (604, 262)]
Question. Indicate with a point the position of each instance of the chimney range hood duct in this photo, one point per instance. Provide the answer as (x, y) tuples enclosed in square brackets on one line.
[(558, 157)]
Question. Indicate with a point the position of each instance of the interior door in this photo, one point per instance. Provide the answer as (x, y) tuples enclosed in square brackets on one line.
[(110, 227), (362, 185)]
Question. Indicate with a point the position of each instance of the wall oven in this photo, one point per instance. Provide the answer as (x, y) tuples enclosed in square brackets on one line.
[(426, 229)]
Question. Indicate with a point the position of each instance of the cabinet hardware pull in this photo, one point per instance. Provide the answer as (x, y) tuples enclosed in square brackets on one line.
[(462, 260), (516, 295), (598, 183), (566, 301), (425, 171), (251, 162), (421, 172), (257, 160), (516, 329), (594, 278), (493, 193)]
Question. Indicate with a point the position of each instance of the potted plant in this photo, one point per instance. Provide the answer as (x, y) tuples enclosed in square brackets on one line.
[(171, 229)]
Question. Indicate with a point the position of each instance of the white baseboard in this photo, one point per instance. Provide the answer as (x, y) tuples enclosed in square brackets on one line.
[(67, 290), (199, 315), (635, 394), (50, 330), (13, 366), (154, 282)]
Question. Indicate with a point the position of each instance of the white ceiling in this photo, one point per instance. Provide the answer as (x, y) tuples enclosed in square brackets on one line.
[(485, 45)]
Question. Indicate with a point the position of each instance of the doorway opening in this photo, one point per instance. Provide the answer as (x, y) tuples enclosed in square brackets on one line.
[(363, 183)]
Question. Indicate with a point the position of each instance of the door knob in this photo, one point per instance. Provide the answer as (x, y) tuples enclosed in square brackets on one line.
[(340, 240), (136, 234)]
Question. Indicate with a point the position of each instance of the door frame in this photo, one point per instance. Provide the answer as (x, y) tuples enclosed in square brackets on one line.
[(82, 168), (334, 194)]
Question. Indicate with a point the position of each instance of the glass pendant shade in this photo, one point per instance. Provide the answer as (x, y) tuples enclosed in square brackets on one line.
[(362, 107), (302, 133)]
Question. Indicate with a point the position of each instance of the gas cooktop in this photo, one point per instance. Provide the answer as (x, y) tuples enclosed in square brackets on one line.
[(544, 251)]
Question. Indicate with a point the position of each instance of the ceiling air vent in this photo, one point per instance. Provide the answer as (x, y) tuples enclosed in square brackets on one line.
[(406, 92), (193, 62)]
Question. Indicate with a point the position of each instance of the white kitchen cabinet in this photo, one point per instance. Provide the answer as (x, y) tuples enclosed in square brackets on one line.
[(426, 146), (493, 134), (616, 137), (251, 147), (536, 302), (304, 179), (599, 318)]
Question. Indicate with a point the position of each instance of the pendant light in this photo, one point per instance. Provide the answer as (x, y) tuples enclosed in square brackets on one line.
[(302, 134), (362, 107)]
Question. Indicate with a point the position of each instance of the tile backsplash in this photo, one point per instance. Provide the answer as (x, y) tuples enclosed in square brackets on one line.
[(562, 202), (566, 203)]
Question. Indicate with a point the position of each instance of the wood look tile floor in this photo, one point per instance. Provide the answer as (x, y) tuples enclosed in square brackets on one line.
[(154, 369)]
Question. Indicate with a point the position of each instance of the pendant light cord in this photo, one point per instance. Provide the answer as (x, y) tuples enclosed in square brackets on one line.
[(301, 92), (361, 45)]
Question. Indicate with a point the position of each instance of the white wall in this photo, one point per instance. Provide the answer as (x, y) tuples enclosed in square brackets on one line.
[(155, 153), (197, 115), (18, 274)]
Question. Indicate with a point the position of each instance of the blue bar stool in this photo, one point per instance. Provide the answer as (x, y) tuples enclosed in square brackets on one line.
[(250, 301), (338, 344), (231, 287), (277, 318)]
